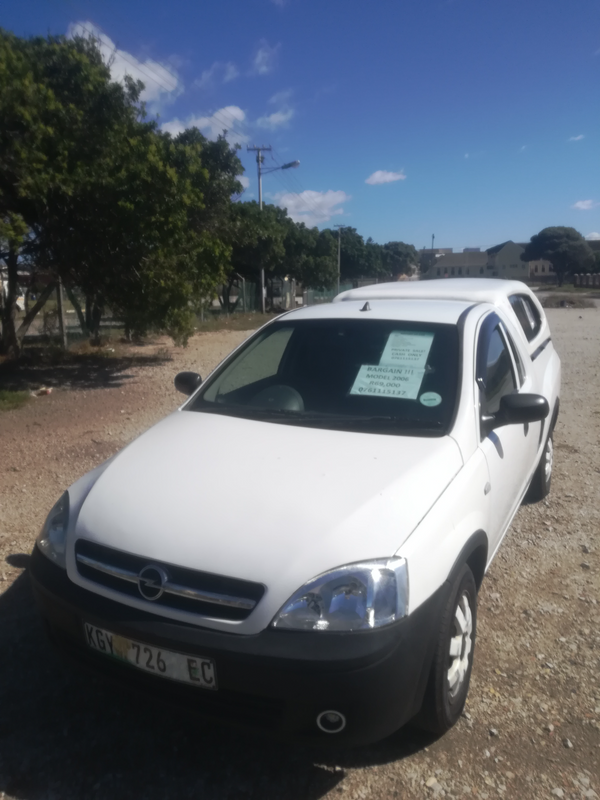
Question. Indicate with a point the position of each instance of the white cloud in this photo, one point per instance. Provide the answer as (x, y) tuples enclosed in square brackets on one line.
[(244, 181), (219, 72), (231, 72), (523, 148), (576, 138), (211, 126), (585, 205), (312, 208), (280, 3), (592, 237), (466, 155), (162, 84), (264, 60), (382, 176), (276, 120), (280, 98)]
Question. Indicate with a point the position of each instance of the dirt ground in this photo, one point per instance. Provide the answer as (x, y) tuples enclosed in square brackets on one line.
[(532, 724)]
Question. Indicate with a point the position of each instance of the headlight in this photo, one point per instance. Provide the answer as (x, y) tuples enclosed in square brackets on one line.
[(355, 597), (51, 539)]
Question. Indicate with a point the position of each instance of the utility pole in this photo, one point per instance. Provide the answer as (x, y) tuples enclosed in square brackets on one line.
[(259, 161), (340, 228), (432, 240), (259, 149)]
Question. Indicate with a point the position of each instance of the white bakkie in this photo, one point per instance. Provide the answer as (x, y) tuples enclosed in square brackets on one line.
[(300, 545)]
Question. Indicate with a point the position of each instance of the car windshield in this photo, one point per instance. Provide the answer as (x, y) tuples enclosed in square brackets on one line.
[(379, 376)]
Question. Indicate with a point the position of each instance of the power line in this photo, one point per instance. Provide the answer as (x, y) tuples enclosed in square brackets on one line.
[(143, 68), (230, 125), (306, 201), (304, 196)]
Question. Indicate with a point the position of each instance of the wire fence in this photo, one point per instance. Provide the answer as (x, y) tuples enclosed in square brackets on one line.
[(312, 297)]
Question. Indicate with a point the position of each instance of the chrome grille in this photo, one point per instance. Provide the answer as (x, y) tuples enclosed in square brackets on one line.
[(183, 589)]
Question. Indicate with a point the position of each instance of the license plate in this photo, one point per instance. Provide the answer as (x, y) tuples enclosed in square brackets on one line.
[(194, 670)]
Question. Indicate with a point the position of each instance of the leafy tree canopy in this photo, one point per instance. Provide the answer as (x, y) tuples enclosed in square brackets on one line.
[(92, 193), (400, 258), (564, 248)]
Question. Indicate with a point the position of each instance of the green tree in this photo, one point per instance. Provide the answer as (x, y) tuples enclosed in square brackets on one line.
[(92, 193), (564, 248), (257, 240), (353, 256), (400, 258), (310, 256)]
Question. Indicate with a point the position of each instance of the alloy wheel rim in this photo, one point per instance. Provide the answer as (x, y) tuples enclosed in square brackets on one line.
[(461, 643)]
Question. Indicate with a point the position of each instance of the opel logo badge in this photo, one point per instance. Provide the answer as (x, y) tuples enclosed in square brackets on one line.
[(151, 582)]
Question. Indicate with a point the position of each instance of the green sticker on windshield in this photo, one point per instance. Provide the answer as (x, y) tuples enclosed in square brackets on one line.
[(430, 399)]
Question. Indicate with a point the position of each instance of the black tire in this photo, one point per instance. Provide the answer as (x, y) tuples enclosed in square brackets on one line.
[(448, 685), (542, 477)]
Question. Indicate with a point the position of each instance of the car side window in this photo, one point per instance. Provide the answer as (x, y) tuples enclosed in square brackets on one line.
[(495, 370), (527, 314)]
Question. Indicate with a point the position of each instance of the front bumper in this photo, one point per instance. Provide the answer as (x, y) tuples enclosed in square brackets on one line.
[(276, 680)]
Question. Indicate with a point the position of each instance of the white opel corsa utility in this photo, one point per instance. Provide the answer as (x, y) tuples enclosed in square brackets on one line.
[(299, 546)]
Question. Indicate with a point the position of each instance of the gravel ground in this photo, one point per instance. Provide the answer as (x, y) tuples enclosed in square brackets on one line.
[(532, 723)]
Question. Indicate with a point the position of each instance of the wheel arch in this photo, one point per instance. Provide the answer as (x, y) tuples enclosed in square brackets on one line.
[(474, 553), (555, 414)]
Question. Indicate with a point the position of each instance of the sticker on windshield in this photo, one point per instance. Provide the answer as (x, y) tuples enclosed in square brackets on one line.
[(430, 399), (400, 370)]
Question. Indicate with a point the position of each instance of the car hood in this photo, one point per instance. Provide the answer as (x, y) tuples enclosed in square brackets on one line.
[(271, 503)]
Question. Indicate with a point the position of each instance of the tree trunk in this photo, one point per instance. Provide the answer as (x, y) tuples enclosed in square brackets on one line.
[(78, 311), (32, 313), (225, 304), (270, 292), (88, 313), (9, 343), (96, 315), (62, 324)]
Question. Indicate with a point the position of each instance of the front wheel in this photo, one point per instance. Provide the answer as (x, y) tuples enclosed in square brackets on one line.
[(542, 477), (451, 669)]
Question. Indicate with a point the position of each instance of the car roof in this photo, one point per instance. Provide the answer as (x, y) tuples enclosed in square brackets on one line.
[(475, 290), (407, 310)]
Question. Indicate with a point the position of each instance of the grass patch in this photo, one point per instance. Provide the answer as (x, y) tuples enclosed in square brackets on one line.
[(10, 400)]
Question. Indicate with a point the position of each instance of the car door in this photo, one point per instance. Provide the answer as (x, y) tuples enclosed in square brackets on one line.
[(510, 450)]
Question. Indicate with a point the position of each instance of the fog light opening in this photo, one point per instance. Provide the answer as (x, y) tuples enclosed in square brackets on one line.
[(331, 721)]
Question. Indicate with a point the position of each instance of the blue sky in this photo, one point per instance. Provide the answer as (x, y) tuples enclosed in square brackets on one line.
[(473, 120)]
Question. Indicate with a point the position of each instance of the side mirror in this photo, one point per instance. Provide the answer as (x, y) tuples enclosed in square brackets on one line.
[(187, 382), (518, 409)]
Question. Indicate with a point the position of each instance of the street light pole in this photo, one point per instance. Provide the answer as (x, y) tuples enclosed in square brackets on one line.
[(259, 160), (259, 149), (339, 270)]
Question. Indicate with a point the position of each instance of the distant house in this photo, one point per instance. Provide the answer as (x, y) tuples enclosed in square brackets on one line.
[(501, 261), (504, 261), (428, 257), (459, 265)]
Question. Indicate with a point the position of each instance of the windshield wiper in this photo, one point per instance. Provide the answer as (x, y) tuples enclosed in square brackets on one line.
[(321, 418), (400, 422)]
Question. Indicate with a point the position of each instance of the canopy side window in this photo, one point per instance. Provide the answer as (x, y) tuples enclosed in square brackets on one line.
[(527, 314)]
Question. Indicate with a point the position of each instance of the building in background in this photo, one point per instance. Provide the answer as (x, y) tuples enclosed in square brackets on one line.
[(501, 261)]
